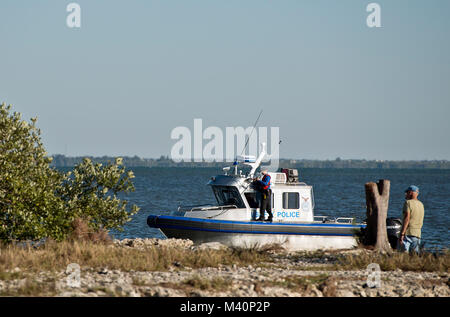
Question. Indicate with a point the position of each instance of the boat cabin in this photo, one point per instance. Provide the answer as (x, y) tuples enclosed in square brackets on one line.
[(292, 201)]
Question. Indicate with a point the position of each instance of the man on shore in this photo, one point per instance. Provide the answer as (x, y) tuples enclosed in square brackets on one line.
[(413, 213)]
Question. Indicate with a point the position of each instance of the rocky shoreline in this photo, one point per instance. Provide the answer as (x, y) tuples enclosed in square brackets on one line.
[(302, 277)]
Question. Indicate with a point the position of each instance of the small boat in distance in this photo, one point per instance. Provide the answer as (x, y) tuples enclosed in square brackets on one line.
[(233, 220)]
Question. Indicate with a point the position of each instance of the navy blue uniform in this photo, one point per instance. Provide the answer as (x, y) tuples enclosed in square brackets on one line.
[(266, 198)]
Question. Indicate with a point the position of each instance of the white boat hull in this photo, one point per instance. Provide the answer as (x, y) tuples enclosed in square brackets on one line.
[(289, 242), (292, 236)]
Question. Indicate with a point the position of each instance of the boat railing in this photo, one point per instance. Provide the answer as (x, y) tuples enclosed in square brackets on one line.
[(205, 207), (348, 220), (321, 218), (295, 183), (325, 219)]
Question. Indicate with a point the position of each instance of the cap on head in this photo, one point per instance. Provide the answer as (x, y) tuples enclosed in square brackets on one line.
[(412, 188), (264, 171)]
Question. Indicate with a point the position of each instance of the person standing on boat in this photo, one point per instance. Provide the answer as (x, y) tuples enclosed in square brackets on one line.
[(266, 197), (413, 213)]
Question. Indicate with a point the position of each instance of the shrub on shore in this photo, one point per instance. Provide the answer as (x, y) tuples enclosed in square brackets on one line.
[(38, 201)]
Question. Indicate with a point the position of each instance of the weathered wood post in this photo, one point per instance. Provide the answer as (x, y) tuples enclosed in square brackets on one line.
[(377, 202)]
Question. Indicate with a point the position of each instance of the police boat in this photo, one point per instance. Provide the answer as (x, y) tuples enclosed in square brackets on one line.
[(233, 220)]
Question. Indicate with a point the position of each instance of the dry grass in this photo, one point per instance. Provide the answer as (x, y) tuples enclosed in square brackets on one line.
[(53, 256), (328, 287), (9, 276), (197, 282), (301, 284), (425, 262), (30, 287), (217, 283), (82, 232)]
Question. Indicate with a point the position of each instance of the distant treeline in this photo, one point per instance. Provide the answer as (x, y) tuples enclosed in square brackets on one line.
[(164, 161)]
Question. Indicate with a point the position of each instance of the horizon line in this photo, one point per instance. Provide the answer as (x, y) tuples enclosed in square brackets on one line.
[(286, 159)]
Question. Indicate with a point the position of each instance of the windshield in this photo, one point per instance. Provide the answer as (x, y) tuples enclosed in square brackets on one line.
[(227, 195), (252, 200)]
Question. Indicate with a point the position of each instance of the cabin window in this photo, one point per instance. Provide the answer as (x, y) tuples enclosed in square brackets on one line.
[(291, 201), (252, 200), (228, 196), (273, 200)]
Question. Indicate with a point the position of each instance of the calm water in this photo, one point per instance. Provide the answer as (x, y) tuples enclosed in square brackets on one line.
[(338, 192)]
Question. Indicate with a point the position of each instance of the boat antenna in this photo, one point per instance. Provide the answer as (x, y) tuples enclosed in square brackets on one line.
[(254, 125), (246, 142)]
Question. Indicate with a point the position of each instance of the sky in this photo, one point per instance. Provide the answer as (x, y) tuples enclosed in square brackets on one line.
[(136, 70)]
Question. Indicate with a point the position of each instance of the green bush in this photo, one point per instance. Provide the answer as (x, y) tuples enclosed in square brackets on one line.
[(90, 193), (38, 201)]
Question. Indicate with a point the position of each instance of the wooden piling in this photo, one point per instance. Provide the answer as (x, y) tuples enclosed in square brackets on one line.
[(377, 203)]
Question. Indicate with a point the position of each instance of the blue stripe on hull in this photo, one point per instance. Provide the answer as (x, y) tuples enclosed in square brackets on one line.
[(152, 222), (254, 232), (256, 223)]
